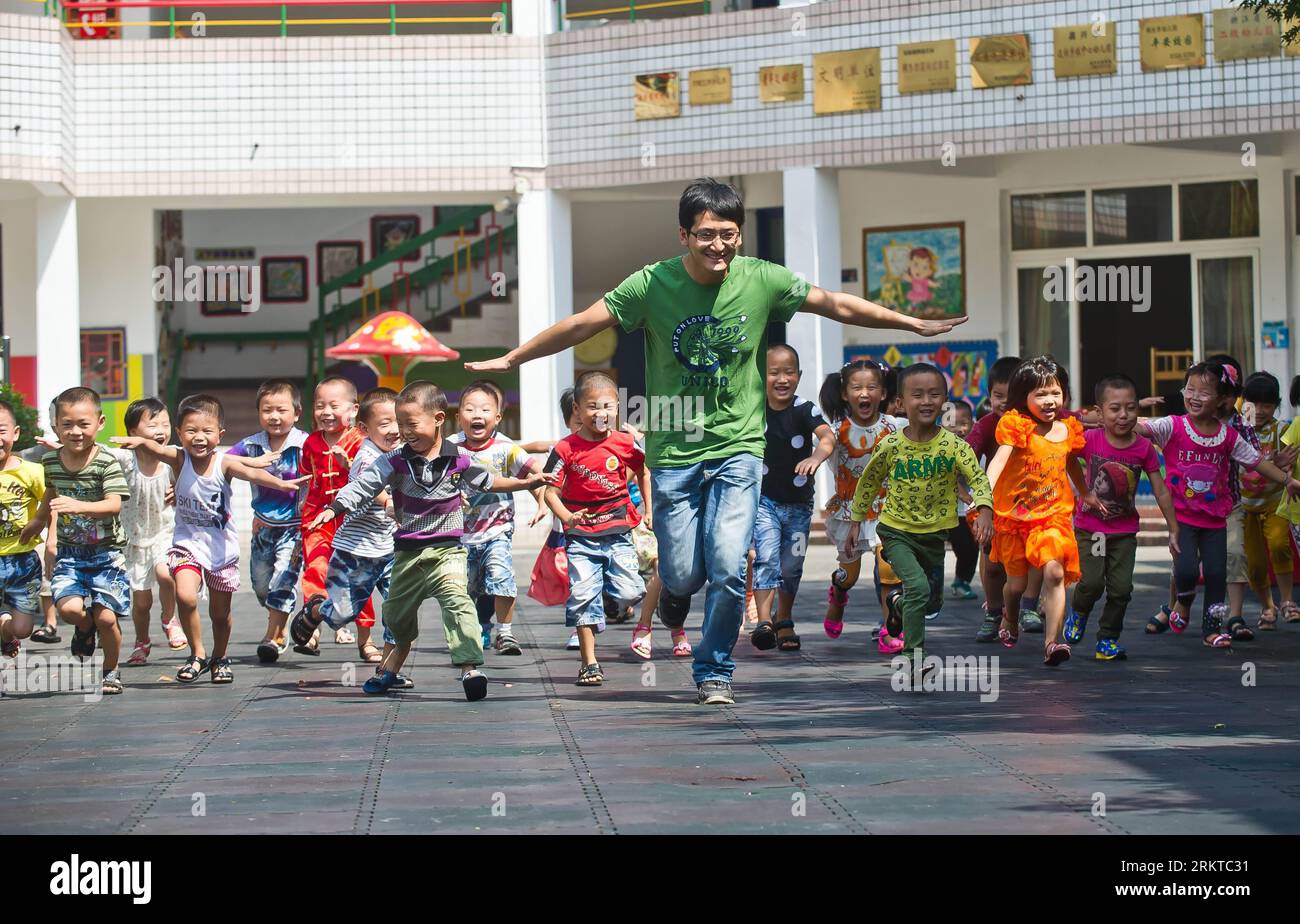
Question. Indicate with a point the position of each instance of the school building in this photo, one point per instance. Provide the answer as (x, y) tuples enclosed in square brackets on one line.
[(1122, 190)]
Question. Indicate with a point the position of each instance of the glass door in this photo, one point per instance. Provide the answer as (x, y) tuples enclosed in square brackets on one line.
[(1226, 306)]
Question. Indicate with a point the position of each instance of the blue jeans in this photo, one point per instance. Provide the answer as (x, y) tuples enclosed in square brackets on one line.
[(275, 566), (600, 564), (780, 545), (350, 582), (704, 520)]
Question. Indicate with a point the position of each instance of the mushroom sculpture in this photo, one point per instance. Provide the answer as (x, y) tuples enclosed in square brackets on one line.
[(390, 343)]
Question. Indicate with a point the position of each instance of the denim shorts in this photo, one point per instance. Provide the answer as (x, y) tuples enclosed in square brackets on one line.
[(95, 574), (600, 564), (275, 566), (491, 568), (20, 583), (348, 586), (780, 545)]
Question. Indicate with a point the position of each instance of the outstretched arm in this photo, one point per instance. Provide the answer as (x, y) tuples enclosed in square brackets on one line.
[(849, 309), (570, 332), (236, 467), (505, 485), (169, 454)]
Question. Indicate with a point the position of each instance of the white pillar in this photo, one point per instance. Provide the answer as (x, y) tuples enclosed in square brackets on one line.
[(532, 17), (545, 222), (1274, 270), (58, 309)]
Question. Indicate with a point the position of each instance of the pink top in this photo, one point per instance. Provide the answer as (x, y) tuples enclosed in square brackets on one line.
[(1196, 468), (1113, 473)]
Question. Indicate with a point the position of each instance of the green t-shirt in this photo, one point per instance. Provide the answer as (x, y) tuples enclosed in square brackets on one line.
[(99, 478), (705, 349)]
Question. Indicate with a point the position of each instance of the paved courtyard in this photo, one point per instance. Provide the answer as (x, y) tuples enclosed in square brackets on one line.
[(1171, 741)]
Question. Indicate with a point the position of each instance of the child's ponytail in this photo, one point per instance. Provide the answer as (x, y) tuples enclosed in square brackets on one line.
[(831, 397)]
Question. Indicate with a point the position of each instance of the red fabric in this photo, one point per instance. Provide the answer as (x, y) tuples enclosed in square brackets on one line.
[(328, 475), (550, 581), (593, 477), (317, 547)]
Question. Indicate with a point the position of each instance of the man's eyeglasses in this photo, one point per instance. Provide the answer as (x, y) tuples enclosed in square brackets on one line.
[(708, 236)]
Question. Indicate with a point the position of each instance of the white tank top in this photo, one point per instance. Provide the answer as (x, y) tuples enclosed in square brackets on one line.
[(205, 521)]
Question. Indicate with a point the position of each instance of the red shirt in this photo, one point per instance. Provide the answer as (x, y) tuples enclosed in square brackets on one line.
[(593, 477), (328, 476)]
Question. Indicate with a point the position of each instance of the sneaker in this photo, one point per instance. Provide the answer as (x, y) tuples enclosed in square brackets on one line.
[(382, 682), (400, 681), (111, 685), (960, 590), (1110, 650), (475, 684), (572, 643), (83, 645), (930, 617), (988, 631), (506, 644), (487, 638), (304, 625), (1031, 621), (1075, 625), (714, 693)]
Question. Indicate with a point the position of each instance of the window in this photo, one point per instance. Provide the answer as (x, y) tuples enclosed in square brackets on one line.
[(1049, 220), (1132, 216), (1216, 210), (1044, 325), (103, 362), (1227, 294)]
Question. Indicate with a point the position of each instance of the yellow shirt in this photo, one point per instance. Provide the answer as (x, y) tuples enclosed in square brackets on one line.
[(1290, 509), (21, 490), (922, 493)]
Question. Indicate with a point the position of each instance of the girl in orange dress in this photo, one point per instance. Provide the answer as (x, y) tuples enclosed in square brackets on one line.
[(1033, 505)]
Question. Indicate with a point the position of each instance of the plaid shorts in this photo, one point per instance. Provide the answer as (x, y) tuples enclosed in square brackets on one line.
[(223, 580)]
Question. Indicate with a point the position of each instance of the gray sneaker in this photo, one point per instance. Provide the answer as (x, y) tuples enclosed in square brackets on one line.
[(988, 631), (1030, 621), (715, 693)]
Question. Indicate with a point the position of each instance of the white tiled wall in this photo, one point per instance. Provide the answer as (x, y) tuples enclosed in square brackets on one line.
[(33, 124)]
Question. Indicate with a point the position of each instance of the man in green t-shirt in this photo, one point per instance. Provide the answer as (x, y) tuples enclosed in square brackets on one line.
[(705, 316)]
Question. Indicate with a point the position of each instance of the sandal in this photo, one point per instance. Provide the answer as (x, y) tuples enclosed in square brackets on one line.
[(140, 654), (787, 642), (764, 636), (1156, 625), (344, 636), (1057, 654), (1267, 619), (681, 647), (641, 644), (1006, 636), (1290, 613), (221, 672), (192, 669), (47, 635), (1222, 640), (270, 649), (370, 654), (887, 644), (111, 685), (894, 611), (11, 648), (832, 628), (590, 675), (175, 635), (1239, 631), (1177, 621)]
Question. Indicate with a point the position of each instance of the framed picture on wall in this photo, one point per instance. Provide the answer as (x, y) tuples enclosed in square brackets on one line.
[(284, 279), (917, 269), (442, 213), (228, 308), (389, 231), (103, 361), (337, 258)]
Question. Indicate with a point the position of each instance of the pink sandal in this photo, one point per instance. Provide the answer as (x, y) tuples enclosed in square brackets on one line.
[(833, 629), (887, 644), (1005, 635), (1057, 654), (681, 647), (1177, 621), (641, 645), (140, 654), (175, 636)]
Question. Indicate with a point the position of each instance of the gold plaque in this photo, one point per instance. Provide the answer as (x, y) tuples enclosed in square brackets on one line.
[(1171, 42), (710, 87), (1241, 34), (846, 81), (1082, 51), (658, 96), (927, 66), (780, 83), (1000, 61)]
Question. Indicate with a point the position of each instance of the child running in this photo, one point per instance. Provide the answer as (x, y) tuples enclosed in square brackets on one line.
[(362, 561), (1033, 506), (205, 546), (921, 464), (22, 487), (148, 521), (427, 479), (1288, 508), (785, 503), (965, 549), (590, 474), (1107, 538), (275, 550), (85, 488), (1198, 448), (851, 400)]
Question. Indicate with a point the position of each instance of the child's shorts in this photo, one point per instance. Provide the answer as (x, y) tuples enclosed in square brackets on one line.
[(1238, 564), (1019, 545), (222, 580), (647, 550), (275, 566), (351, 581), (490, 568), (837, 531), (142, 563), (20, 583), (600, 565), (94, 574)]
